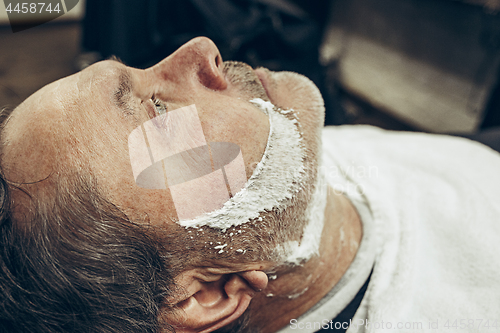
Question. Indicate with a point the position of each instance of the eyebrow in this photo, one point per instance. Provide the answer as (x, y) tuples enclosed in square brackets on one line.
[(115, 58), (123, 91)]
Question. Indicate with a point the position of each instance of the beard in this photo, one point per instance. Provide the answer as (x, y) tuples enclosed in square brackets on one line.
[(269, 224)]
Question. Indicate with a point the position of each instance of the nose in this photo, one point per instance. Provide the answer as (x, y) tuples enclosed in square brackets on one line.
[(200, 59)]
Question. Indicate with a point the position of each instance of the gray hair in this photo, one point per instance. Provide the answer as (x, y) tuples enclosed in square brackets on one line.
[(76, 263)]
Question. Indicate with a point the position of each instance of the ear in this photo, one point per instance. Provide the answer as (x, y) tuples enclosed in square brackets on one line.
[(216, 301)]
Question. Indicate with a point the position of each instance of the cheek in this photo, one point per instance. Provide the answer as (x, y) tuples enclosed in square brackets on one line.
[(246, 127), (146, 206)]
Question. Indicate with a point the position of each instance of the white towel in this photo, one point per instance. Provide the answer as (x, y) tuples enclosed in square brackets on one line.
[(436, 205)]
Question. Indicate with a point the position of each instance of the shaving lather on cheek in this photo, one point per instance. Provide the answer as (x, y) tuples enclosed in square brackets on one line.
[(274, 181)]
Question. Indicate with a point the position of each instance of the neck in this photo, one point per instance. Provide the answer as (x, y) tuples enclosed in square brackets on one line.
[(296, 289)]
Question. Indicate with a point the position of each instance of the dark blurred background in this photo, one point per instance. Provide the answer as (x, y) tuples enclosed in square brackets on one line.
[(422, 65)]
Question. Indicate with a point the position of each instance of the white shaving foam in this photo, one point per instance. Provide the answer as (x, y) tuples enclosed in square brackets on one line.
[(267, 188), (297, 295), (296, 252)]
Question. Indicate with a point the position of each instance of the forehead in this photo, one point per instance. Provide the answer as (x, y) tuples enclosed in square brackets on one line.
[(104, 77), (56, 98), (41, 125)]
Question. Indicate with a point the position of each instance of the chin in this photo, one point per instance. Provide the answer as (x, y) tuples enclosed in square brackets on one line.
[(289, 90), (293, 92)]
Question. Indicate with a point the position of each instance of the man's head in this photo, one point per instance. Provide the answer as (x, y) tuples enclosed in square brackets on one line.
[(77, 218)]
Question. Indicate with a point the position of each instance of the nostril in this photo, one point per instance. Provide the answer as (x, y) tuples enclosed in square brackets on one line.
[(218, 60), (210, 72)]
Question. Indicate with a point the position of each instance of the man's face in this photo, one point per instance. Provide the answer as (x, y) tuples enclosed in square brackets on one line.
[(82, 123)]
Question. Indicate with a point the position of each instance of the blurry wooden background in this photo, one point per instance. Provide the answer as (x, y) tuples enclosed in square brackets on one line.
[(32, 58), (396, 64)]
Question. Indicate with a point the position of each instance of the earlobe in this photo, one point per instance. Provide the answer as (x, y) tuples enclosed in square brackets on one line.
[(215, 304)]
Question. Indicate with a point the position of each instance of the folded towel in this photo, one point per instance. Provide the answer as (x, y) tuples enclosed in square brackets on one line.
[(435, 201)]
